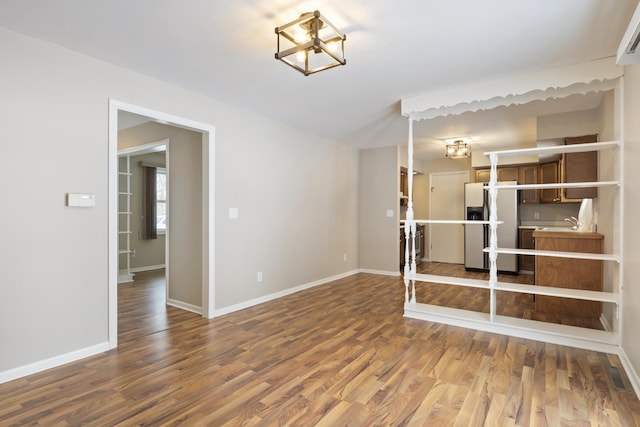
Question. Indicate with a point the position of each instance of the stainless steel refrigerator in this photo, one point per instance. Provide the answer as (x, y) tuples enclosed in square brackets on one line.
[(476, 237)]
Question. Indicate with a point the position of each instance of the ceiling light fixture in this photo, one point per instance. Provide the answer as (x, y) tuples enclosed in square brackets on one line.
[(310, 44), (458, 150)]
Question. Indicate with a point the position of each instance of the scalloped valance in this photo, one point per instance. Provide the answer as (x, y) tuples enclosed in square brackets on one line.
[(593, 76)]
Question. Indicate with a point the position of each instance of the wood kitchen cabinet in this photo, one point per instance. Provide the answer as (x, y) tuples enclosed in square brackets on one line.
[(580, 167), (528, 175), (404, 188), (571, 273), (506, 173), (549, 173), (525, 241)]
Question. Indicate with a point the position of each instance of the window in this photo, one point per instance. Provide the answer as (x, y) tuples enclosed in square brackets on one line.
[(154, 203), (161, 200)]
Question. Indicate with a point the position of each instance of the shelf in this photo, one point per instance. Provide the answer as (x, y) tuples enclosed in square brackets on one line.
[(557, 254), (125, 174), (450, 280), (558, 292), (517, 287), (124, 232), (125, 213), (591, 339), (557, 149), (124, 252), (125, 194), (555, 185), (450, 221)]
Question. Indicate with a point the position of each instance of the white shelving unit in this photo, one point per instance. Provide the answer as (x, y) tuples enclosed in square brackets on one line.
[(598, 340), (124, 220)]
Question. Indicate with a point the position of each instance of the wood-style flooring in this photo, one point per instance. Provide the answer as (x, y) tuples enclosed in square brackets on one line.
[(337, 354)]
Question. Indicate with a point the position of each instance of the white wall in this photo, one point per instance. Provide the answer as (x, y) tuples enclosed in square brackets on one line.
[(296, 195), (378, 192), (631, 306)]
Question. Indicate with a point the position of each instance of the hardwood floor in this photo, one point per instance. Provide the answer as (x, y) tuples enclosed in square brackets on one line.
[(337, 354)]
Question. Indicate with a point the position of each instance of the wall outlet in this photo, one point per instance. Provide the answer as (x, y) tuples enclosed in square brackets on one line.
[(233, 213), (133, 253), (259, 276), (389, 213), (344, 257), (536, 215)]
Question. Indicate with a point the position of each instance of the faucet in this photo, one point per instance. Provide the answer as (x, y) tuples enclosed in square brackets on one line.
[(573, 220)]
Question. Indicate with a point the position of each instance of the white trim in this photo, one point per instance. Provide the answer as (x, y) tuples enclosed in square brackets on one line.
[(52, 362), (184, 306), (605, 323), (148, 268), (379, 272), (631, 373), (208, 225), (588, 339), (276, 295), (124, 277), (208, 209), (585, 77)]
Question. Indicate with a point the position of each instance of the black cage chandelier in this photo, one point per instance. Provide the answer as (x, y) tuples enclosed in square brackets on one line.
[(310, 44)]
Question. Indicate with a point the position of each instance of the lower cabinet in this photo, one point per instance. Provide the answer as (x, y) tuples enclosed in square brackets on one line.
[(567, 272), (525, 241)]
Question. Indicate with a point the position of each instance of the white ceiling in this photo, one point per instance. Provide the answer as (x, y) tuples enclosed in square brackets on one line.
[(225, 50)]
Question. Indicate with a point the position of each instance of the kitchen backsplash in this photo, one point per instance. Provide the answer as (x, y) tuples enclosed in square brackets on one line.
[(547, 213)]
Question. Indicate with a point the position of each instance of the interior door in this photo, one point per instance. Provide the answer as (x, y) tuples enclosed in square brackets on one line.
[(446, 201)]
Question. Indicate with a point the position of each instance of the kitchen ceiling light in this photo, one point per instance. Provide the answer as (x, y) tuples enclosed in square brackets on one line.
[(310, 44), (458, 150)]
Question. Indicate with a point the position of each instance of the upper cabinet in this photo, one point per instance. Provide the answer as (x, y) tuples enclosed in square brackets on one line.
[(528, 175), (549, 173), (509, 173), (580, 167), (572, 167)]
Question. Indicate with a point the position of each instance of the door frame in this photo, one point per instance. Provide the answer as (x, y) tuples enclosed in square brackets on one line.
[(208, 207)]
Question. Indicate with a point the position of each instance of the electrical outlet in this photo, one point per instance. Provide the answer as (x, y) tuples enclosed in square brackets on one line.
[(536, 215), (259, 276), (344, 257)]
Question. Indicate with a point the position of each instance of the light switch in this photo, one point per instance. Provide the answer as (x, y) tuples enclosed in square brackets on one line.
[(389, 213), (81, 200), (233, 213)]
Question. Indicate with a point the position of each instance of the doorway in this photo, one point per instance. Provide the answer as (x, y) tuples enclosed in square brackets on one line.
[(206, 235), (447, 202), (139, 250)]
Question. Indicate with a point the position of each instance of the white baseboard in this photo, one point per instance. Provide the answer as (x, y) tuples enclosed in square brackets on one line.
[(147, 268), (52, 362), (631, 373), (276, 295), (380, 272), (605, 323), (185, 306)]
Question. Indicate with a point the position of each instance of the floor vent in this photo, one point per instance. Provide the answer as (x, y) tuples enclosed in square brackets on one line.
[(616, 378)]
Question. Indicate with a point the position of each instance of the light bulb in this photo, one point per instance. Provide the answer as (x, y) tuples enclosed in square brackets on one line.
[(333, 47), (301, 56)]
